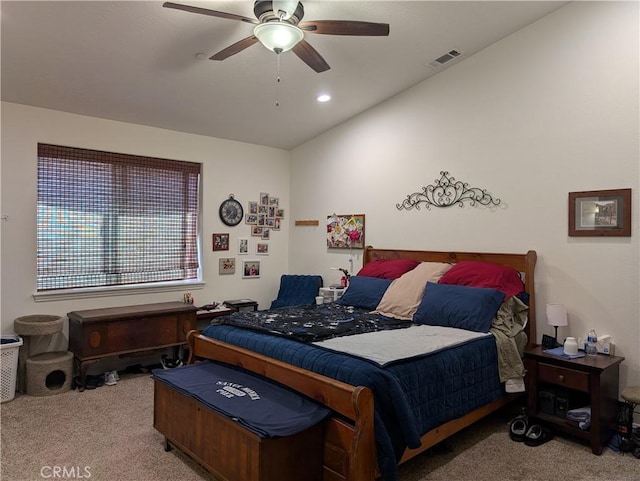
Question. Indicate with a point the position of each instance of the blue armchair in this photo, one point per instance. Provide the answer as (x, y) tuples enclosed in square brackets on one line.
[(297, 290)]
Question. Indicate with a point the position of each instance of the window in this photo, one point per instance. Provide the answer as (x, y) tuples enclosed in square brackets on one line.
[(107, 219)]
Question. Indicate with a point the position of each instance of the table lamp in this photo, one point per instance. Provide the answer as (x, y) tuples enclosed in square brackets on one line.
[(556, 316)]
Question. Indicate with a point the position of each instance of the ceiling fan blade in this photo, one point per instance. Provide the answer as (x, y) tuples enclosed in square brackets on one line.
[(310, 56), (211, 13), (235, 48), (345, 27)]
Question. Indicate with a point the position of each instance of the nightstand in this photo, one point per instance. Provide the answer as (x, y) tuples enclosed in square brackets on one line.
[(576, 383)]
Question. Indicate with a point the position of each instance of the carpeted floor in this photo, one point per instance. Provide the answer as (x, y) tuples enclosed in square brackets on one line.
[(107, 434)]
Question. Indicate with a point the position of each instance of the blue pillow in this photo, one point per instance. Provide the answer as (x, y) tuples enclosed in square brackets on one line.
[(470, 308), (364, 292)]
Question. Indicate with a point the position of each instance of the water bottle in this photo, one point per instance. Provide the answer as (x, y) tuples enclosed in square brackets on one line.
[(592, 344)]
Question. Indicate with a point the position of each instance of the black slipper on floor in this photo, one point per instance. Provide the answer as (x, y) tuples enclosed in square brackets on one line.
[(518, 428), (92, 382), (537, 435)]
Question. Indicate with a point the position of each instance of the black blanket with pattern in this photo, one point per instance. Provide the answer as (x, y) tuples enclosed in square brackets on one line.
[(314, 323)]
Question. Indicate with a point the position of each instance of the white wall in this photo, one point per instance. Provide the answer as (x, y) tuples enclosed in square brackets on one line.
[(551, 109), (228, 167)]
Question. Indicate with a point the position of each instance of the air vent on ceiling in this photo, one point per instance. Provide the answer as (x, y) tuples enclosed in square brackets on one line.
[(443, 59)]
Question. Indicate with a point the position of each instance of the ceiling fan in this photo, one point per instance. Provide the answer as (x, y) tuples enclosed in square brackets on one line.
[(278, 27)]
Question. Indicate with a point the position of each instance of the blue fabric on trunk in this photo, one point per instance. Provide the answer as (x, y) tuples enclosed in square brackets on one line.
[(260, 406)]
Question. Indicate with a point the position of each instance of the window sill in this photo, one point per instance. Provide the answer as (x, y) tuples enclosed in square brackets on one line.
[(66, 294)]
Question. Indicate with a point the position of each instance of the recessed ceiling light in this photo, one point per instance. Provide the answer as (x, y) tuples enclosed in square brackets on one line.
[(323, 98)]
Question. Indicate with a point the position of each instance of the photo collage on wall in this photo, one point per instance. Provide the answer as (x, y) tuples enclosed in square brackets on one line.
[(264, 217)]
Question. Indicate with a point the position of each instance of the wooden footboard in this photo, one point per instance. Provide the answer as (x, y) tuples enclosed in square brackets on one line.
[(349, 441)]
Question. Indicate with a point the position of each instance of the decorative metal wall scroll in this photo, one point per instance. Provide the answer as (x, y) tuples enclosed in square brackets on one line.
[(445, 192)]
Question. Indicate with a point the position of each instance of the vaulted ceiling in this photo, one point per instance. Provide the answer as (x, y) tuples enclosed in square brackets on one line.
[(141, 63)]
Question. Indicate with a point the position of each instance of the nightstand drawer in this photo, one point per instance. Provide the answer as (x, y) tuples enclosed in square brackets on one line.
[(561, 376)]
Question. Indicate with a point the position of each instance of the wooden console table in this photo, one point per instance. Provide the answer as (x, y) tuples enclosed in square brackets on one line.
[(118, 331)]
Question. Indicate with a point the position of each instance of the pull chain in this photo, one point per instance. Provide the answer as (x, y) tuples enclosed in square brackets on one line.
[(277, 79)]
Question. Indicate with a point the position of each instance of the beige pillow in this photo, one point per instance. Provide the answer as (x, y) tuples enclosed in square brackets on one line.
[(403, 296)]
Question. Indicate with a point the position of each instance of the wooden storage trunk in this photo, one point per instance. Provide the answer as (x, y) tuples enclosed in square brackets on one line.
[(228, 450)]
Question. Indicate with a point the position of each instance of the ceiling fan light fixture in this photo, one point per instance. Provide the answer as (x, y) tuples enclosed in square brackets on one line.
[(278, 36)]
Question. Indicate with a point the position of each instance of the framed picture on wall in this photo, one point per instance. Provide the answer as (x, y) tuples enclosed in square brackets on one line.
[(227, 265), (220, 242), (262, 248), (345, 231), (597, 213), (250, 269), (243, 246)]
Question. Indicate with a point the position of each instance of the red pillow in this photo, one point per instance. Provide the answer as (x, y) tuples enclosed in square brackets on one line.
[(484, 274), (388, 268)]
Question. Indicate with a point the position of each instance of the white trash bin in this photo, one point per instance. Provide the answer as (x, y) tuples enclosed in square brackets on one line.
[(9, 349)]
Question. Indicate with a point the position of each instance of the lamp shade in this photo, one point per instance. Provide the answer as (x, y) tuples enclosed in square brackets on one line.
[(556, 315), (278, 36)]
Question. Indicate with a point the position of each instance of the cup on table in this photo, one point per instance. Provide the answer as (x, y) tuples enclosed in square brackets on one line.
[(571, 346), (319, 300)]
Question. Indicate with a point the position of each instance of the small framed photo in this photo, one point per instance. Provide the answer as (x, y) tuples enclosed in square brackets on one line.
[(251, 219), (266, 233), (256, 231), (262, 249), (276, 223), (243, 246), (279, 212), (227, 265), (220, 242), (274, 200), (250, 269), (599, 213), (264, 198), (253, 207)]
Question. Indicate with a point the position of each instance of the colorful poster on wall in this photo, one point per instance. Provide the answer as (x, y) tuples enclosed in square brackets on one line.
[(345, 231)]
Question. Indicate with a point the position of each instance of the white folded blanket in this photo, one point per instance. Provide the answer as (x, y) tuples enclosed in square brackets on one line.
[(383, 347)]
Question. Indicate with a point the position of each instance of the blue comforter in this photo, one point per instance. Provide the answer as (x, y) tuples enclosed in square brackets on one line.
[(411, 397)]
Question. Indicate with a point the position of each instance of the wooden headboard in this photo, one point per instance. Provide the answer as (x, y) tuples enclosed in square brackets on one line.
[(524, 263)]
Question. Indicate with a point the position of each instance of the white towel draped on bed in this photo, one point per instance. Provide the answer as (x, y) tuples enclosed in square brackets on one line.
[(383, 347)]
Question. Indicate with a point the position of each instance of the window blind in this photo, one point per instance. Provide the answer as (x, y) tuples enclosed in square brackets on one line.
[(107, 219)]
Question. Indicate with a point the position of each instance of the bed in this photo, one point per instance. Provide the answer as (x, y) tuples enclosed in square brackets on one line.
[(384, 411)]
